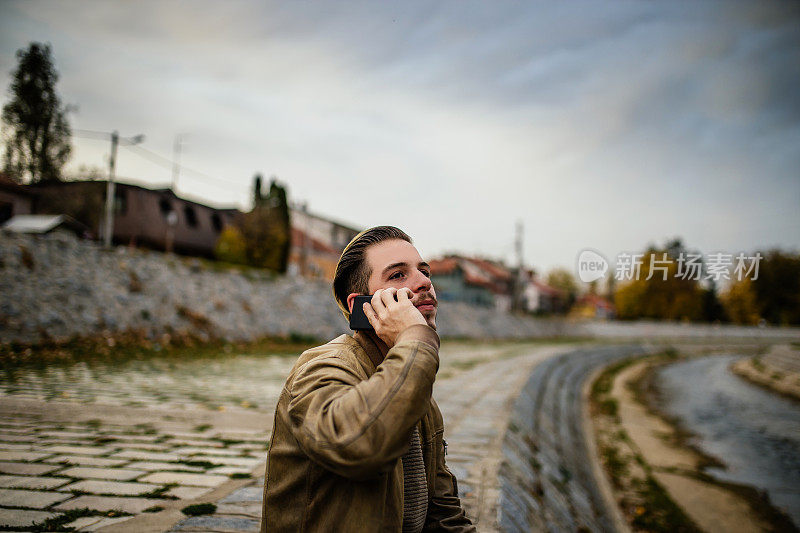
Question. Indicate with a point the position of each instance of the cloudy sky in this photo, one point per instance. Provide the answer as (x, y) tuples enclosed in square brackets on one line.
[(605, 125)]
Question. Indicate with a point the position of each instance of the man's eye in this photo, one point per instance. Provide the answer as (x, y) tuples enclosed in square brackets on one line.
[(425, 273), (396, 275)]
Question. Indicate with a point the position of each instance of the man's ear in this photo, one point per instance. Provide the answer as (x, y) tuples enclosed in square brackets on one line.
[(350, 299)]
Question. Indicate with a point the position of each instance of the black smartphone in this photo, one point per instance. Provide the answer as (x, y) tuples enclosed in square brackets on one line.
[(358, 320)]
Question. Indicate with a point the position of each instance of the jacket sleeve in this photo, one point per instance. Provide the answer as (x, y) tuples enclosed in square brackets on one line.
[(358, 428), (445, 512)]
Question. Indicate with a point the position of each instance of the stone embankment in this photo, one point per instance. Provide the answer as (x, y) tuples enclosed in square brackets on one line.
[(55, 287), (778, 369)]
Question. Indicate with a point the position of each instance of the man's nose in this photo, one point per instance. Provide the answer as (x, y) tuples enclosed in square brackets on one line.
[(420, 283)]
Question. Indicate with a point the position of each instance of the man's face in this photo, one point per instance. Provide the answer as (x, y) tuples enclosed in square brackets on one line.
[(396, 263)]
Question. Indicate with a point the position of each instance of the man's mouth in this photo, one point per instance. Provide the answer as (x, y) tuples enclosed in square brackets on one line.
[(426, 305)]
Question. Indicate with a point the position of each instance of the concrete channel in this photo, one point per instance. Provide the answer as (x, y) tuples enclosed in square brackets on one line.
[(548, 478)]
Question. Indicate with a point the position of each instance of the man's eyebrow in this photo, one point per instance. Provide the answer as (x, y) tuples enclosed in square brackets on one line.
[(394, 265), (404, 264)]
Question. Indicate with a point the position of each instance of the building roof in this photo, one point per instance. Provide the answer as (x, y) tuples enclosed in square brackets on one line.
[(544, 288), (159, 190), (478, 272), (43, 224), (596, 301)]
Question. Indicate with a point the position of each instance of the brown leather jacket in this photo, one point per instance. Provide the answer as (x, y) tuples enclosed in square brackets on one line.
[(341, 427)]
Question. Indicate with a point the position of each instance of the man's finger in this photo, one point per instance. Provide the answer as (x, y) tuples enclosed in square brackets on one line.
[(387, 296), (371, 315), (404, 294), (377, 302)]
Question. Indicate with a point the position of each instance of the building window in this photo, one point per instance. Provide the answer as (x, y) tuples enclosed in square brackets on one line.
[(165, 205), (191, 217), (6, 211), (216, 222)]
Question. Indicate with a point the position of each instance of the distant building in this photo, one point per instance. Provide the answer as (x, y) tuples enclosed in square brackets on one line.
[(539, 297), (15, 199), (161, 220), (317, 243), (472, 280), (154, 218)]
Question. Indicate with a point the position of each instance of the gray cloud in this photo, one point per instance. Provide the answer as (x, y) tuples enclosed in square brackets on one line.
[(606, 126)]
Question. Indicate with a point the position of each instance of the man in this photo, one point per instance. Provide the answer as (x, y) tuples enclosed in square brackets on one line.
[(357, 443)]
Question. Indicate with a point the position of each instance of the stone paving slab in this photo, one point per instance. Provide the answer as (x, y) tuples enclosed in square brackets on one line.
[(5, 439), (190, 442), (192, 450), (125, 437), (27, 469), (85, 460), (31, 482), (248, 509), (250, 462), (33, 499), (247, 494), (13, 446), (160, 465), (22, 518), (110, 503), (77, 450), (194, 480), (228, 470), (111, 474), (93, 523), (187, 493), (221, 524), (22, 456), (146, 456), (111, 487)]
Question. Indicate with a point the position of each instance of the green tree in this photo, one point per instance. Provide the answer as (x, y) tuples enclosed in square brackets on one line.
[(266, 229), (665, 295), (561, 278), (740, 304), (35, 127), (777, 288)]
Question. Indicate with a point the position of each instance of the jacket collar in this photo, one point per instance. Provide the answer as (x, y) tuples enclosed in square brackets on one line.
[(376, 349)]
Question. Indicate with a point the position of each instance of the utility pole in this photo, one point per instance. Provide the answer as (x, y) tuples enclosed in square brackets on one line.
[(516, 301), (108, 228), (109, 225)]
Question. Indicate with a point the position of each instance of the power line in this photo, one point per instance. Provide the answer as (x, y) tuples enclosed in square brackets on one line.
[(154, 157), (168, 164)]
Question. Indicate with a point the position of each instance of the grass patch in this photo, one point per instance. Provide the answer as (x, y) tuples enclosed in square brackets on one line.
[(59, 523), (659, 513), (129, 346), (205, 465), (240, 475), (199, 509), (160, 492), (153, 509)]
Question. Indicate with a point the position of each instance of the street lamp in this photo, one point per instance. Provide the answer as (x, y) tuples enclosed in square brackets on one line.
[(109, 225)]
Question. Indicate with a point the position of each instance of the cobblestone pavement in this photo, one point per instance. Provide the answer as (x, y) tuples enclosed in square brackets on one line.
[(127, 447)]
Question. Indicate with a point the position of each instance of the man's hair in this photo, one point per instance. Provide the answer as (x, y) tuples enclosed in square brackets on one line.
[(352, 270)]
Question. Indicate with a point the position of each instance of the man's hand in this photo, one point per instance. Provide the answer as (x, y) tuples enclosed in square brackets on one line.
[(389, 316)]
